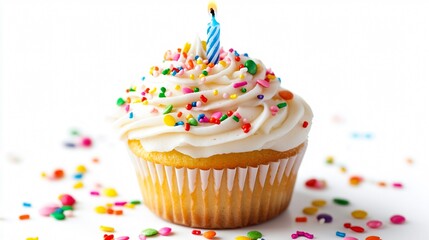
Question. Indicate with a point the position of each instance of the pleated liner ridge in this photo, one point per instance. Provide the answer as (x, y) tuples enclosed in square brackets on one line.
[(225, 198)]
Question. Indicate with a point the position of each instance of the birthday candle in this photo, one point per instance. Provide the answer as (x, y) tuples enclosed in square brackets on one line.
[(213, 36)]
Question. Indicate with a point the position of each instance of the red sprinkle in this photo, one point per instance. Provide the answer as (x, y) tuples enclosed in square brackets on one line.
[(237, 58), (301, 219), (241, 66), (305, 124), (246, 127), (203, 98), (187, 126), (188, 106), (179, 114), (196, 232), (357, 229)]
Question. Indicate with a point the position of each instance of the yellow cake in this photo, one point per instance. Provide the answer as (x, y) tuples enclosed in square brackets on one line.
[(214, 145)]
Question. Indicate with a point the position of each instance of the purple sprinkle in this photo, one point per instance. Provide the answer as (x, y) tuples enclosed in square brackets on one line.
[(260, 96)]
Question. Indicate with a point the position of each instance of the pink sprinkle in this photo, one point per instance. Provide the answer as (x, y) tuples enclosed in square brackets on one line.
[(225, 95), (240, 84), (206, 61), (180, 73), (127, 108), (48, 209), (237, 114), (204, 120), (120, 203), (187, 90), (217, 115), (94, 193), (308, 235), (231, 50), (154, 110), (123, 238), (397, 185), (263, 83)]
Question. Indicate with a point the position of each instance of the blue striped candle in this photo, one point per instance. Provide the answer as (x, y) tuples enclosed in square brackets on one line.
[(213, 38)]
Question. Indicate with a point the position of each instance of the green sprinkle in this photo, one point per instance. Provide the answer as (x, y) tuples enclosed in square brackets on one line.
[(251, 66), (282, 105), (149, 232), (254, 235), (161, 95), (193, 121), (166, 71), (132, 89), (224, 116), (136, 202), (235, 118), (243, 90), (341, 201), (163, 89), (74, 132), (205, 73), (196, 89), (168, 109), (120, 102)]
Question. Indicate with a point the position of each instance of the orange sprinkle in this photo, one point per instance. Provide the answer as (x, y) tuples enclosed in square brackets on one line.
[(24, 217), (95, 160), (118, 212), (286, 95), (381, 184), (110, 211), (179, 50), (209, 234), (191, 64), (156, 68), (128, 100), (211, 65), (185, 55)]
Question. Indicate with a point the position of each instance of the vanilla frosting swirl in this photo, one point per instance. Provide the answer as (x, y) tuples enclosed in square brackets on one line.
[(255, 115)]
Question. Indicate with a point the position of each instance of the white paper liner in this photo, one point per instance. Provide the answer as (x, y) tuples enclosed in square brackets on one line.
[(225, 198)]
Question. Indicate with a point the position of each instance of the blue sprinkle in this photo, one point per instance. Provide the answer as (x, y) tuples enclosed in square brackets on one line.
[(59, 210), (196, 57), (70, 145), (179, 123), (368, 135), (200, 116), (26, 204), (236, 53), (246, 55), (143, 78), (174, 73), (78, 176), (340, 234), (280, 80), (194, 104), (131, 114), (180, 68)]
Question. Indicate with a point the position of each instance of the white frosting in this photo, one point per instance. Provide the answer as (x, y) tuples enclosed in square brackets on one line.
[(280, 132)]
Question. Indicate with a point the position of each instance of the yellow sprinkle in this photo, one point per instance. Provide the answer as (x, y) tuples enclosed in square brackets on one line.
[(203, 66), (186, 47), (201, 75), (330, 160), (32, 238), (169, 120), (129, 205), (343, 169), (134, 88), (204, 44), (359, 214), (145, 102), (78, 185), (43, 174), (241, 76), (271, 76), (100, 210), (109, 205), (242, 238), (177, 87), (151, 71), (81, 169), (318, 203), (310, 210), (152, 90), (137, 100), (189, 116), (215, 92), (110, 192), (107, 229), (199, 61), (233, 96), (191, 76), (223, 63)]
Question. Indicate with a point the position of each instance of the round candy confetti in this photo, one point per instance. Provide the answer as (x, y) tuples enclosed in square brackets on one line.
[(359, 214), (286, 95), (310, 210), (165, 231), (169, 120), (373, 238), (67, 199), (148, 232), (209, 234), (324, 218), (341, 201), (110, 192), (374, 224), (397, 219), (254, 235), (251, 66)]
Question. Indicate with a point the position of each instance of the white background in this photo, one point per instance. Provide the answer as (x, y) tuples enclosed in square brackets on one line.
[(364, 63)]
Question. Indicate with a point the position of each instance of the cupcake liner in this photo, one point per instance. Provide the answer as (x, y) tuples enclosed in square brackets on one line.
[(218, 198)]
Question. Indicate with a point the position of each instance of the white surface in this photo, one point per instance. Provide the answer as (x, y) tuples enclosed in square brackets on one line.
[(65, 62)]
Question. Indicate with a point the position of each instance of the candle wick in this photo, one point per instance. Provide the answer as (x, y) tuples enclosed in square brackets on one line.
[(212, 12)]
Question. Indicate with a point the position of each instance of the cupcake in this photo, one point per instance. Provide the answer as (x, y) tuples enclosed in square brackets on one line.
[(214, 145)]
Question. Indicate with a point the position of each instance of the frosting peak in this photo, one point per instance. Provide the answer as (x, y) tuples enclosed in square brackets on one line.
[(202, 109)]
